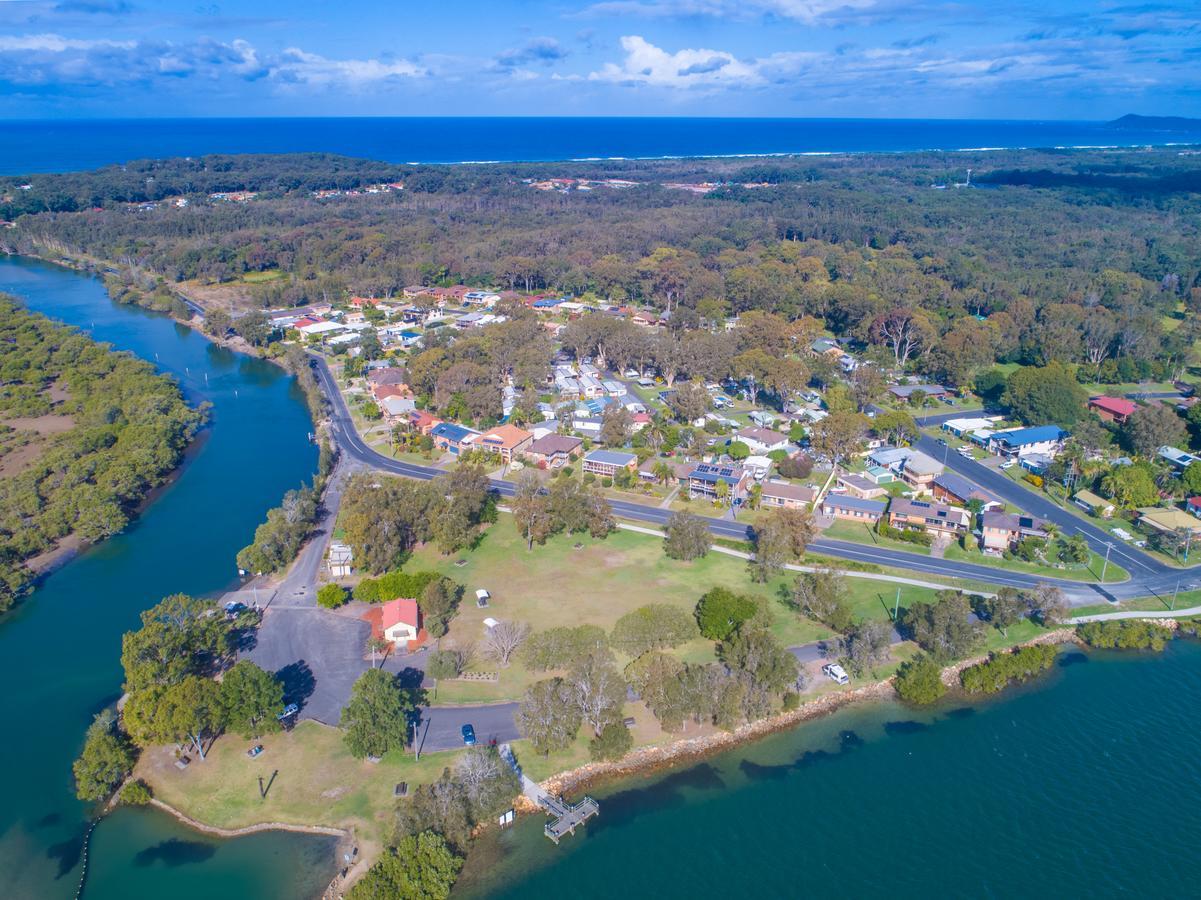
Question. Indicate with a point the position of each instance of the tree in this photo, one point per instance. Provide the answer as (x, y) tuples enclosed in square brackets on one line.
[(376, 718), (1005, 608), (531, 509), (1131, 486), (617, 424), (598, 689), (942, 628), (1045, 394), (614, 742), (896, 426), (721, 611), (652, 627), (1152, 427), (919, 680), (781, 535), (738, 450), (331, 596), (822, 596), (439, 602), (419, 867), (755, 651), (1074, 549), (868, 645), (502, 640), (106, 760), (549, 716), (187, 711), (180, 635), (905, 332), (689, 402), (838, 435), (1049, 604), (686, 536), (250, 699), (1191, 479)]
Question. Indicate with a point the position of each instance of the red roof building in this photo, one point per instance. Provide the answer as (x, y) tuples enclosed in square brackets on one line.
[(400, 620), (1112, 409)]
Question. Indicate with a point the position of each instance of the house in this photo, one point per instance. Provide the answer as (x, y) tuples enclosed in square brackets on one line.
[(920, 470), (1193, 505), (863, 488), (891, 458), (1094, 504), (843, 507), (937, 519), (380, 391), (423, 422), (1047, 439), (400, 620), (553, 451), (396, 408), (455, 438), (952, 488), (680, 469), (762, 418), (931, 391), (507, 441), (608, 463), (826, 347), (782, 495), (763, 440), (1177, 457), (387, 375), (1163, 519), (339, 560), (880, 475), (705, 477), (966, 425), (1112, 409), (1001, 531)]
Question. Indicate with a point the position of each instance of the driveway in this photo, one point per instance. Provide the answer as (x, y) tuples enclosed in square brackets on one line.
[(441, 726)]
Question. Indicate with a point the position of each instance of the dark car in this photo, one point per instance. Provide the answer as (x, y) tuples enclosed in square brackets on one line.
[(468, 735)]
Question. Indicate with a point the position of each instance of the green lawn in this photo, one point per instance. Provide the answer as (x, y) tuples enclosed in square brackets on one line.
[(318, 782), (843, 530), (1092, 572)]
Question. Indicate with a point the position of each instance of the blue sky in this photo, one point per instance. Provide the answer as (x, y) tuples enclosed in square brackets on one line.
[(891, 58)]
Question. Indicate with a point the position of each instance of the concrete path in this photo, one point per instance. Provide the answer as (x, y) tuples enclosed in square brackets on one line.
[(1137, 614)]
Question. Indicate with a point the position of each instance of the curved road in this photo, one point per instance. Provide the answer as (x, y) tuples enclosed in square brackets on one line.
[(1148, 575)]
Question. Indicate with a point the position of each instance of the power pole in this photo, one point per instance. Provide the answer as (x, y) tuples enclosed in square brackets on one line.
[(1108, 547), (896, 606)]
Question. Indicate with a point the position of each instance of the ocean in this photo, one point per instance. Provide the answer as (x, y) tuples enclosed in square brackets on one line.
[(28, 146)]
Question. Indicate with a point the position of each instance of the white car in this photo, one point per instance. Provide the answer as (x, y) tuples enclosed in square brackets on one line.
[(1008, 464), (631, 373), (836, 673)]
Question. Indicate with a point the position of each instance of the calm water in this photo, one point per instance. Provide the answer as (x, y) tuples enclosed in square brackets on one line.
[(1085, 784), (57, 146), (59, 653)]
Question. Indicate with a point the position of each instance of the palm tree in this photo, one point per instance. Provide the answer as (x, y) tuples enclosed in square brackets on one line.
[(663, 472)]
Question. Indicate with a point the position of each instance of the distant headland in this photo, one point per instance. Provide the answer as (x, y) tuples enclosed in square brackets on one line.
[(1156, 123)]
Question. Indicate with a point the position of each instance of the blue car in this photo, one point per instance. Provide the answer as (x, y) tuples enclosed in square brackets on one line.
[(468, 735)]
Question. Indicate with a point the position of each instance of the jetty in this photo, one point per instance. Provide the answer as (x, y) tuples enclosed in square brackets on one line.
[(566, 815)]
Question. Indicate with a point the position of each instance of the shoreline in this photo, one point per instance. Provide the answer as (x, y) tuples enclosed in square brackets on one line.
[(217, 831)]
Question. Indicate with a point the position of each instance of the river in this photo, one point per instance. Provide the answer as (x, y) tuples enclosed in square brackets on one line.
[(59, 652)]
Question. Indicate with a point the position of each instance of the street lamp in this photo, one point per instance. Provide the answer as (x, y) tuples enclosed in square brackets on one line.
[(1108, 547)]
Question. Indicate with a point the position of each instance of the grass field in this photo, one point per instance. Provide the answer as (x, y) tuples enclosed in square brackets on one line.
[(1092, 572), (318, 782)]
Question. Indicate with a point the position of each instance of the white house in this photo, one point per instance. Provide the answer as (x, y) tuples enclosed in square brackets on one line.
[(400, 620)]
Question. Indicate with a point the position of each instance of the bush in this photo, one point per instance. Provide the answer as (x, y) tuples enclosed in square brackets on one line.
[(613, 742), (559, 648), (651, 627), (919, 681), (331, 596), (721, 611), (1036, 480), (607, 482), (908, 535), (1002, 668), (792, 700), (394, 584), (136, 793), (1125, 634)]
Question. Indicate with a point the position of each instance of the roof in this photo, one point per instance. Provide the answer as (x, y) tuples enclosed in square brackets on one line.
[(1003, 521), (890, 456), (1194, 502), (1019, 437), (403, 610), (610, 457), (924, 509), (507, 436), (388, 375), (550, 444), (763, 435), (1092, 499), (905, 390), (964, 489), (452, 432), (844, 502), (859, 482), (1117, 405), (1177, 456), (921, 464), (1168, 519), (787, 491), (711, 473)]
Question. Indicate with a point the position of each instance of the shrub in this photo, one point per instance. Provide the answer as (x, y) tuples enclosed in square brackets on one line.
[(1125, 634), (1036, 480), (1002, 668), (559, 648), (792, 700), (919, 681), (651, 627), (613, 742), (721, 611), (394, 584), (331, 596), (136, 793)]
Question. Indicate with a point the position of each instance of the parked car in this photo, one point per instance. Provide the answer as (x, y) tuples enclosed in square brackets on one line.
[(836, 673), (1009, 464), (468, 735), (254, 751), (290, 710)]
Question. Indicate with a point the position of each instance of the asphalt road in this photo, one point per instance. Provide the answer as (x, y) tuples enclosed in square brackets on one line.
[(441, 726)]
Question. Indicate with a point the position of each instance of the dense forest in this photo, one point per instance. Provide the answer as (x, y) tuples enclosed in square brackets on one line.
[(85, 433), (1084, 257)]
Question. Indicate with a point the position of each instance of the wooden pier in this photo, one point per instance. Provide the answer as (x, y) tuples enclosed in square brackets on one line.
[(567, 815)]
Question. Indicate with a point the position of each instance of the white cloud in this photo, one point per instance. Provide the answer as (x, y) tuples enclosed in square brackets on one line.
[(296, 66), (650, 65), (808, 11)]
